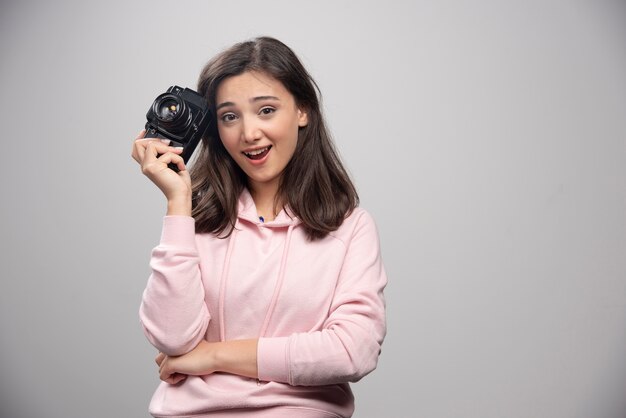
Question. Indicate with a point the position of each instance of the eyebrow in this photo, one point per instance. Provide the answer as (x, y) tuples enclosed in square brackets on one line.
[(254, 99)]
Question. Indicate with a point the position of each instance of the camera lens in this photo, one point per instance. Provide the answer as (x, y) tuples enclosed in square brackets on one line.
[(168, 109), (172, 113)]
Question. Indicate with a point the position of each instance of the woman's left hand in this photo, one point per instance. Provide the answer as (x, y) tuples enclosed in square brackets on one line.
[(197, 362)]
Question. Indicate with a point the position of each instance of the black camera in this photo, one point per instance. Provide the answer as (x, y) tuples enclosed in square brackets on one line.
[(180, 115)]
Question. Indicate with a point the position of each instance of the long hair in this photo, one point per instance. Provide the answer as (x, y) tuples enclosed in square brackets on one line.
[(314, 185)]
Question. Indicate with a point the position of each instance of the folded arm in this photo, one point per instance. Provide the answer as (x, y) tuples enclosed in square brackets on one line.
[(173, 312)]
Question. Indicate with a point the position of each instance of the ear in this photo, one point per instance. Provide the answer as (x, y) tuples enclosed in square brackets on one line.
[(303, 119)]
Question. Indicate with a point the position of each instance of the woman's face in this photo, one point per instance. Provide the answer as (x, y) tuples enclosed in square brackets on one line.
[(258, 121)]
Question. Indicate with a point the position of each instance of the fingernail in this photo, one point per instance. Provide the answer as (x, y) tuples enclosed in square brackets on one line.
[(179, 148), (166, 141)]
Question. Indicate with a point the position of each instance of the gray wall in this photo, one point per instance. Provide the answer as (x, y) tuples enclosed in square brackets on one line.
[(487, 138)]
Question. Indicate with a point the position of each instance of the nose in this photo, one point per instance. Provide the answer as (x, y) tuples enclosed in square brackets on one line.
[(250, 130)]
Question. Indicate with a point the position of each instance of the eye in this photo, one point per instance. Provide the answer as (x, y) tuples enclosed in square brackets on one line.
[(267, 111), (228, 117)]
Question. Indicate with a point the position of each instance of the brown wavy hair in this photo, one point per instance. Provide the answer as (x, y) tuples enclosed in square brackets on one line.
[(314, 186)]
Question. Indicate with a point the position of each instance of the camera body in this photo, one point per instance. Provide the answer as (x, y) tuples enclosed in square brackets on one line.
[(180, 115)]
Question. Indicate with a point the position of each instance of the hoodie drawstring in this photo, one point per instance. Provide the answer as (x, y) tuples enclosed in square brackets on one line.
[(225, 269), (279, 283), (277, 287)]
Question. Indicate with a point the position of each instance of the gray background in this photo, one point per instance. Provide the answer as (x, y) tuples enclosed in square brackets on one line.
[(487, 138)]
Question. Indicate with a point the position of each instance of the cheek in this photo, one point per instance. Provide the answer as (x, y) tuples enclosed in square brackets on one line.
[(287, 133), (228, 140)]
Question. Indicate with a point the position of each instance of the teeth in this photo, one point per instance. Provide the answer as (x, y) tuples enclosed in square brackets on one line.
[(256, 152)]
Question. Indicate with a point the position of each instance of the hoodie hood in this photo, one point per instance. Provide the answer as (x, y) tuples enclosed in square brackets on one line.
[(246, 211)]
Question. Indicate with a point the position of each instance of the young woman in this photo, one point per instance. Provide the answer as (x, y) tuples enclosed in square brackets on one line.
[(266, 296)]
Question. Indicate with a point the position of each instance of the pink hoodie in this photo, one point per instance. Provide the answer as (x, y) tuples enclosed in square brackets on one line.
[(316, 307)]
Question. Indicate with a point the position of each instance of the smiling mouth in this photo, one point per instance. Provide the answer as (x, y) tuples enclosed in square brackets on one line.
[(257, 154)]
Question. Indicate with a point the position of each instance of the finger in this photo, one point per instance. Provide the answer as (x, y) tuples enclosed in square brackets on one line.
[(158, 170), (135, 151), (141, 134), (153, 149), (169, 376), (167, 371), (159, 358), (173, 158), (162, 367), (140, 144), (164, 373), (165, 141), (176, 378), (158, 146), (184, 174)]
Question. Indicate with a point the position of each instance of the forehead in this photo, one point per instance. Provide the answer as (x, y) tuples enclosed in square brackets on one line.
[(249, 85)]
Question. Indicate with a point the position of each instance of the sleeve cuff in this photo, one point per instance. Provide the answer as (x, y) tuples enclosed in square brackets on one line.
[(179, 231), (272, 359)]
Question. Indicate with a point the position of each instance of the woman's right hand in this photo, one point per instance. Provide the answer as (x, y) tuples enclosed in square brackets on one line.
[(154, 155)]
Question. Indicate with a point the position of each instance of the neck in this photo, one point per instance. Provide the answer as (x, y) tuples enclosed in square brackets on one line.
[(264, 196)]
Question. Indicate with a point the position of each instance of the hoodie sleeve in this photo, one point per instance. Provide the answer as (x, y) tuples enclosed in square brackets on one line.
[(348, 346), (173, 313)]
